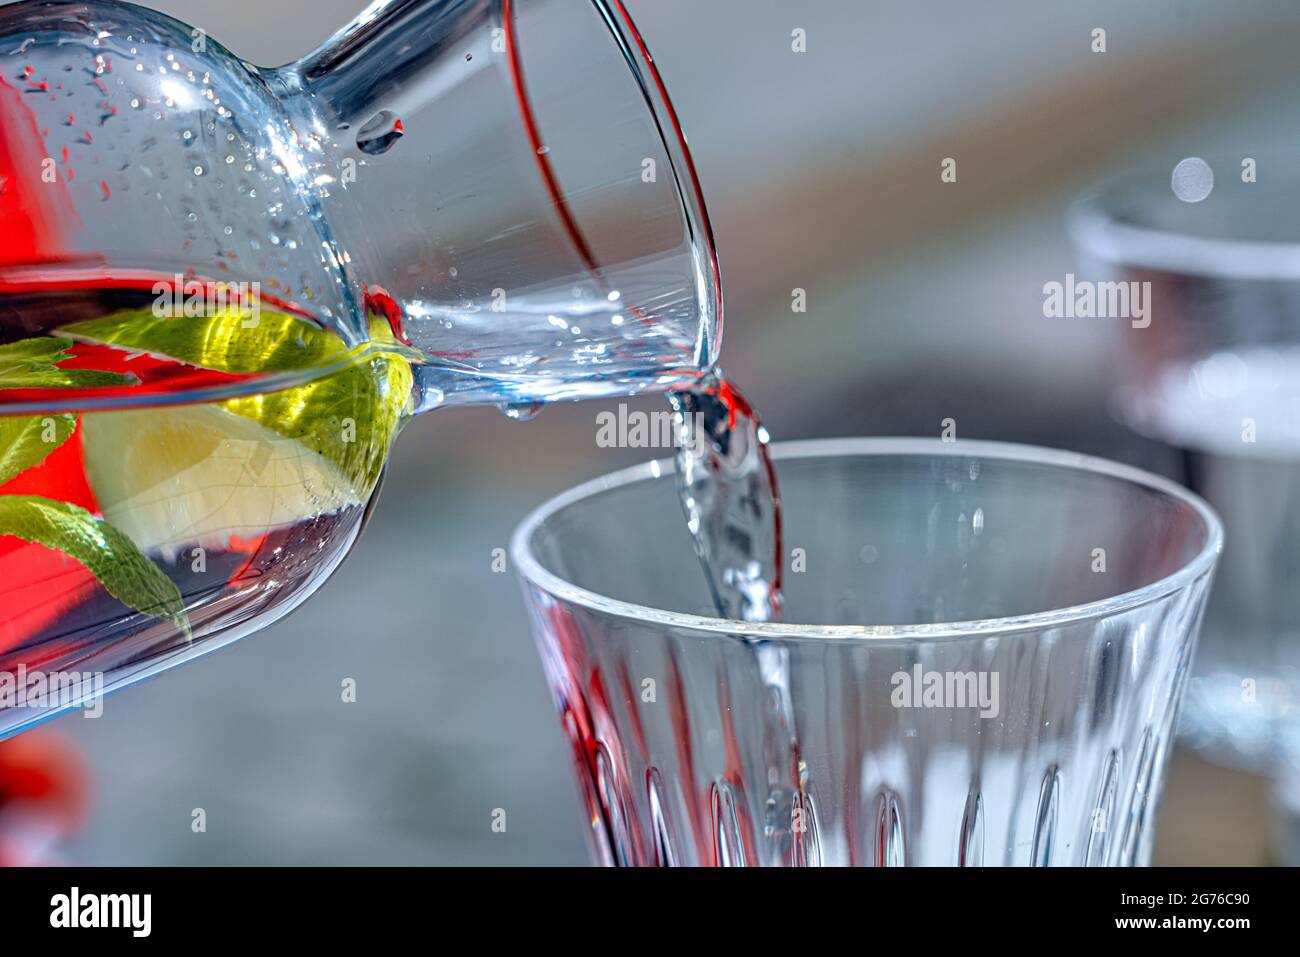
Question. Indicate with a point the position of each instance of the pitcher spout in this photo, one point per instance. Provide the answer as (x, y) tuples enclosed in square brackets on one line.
[(507, 183)]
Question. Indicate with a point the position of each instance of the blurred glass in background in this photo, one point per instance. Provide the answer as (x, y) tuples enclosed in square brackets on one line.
[(1217, 378)]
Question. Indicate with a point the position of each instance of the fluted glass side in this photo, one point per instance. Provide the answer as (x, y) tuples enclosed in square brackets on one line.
[(1032, 619)]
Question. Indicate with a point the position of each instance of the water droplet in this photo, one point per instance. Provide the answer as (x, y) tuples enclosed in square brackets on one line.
[(521, 411), (1193, 180), (379, 133)]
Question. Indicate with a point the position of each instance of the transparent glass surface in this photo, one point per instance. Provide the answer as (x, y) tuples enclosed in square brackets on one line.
[(223, 288), (1216, 377), (505, 181), (1043, 606)]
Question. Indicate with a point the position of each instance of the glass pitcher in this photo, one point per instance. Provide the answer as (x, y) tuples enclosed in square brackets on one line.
[(224, 287)]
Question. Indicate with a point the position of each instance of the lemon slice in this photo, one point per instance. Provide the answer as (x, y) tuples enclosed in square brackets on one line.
[(173, 478)]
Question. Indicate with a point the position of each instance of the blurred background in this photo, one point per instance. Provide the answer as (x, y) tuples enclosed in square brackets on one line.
[(924, 301)]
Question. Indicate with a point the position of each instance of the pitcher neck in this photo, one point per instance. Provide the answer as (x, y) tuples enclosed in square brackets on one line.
[(389, 53)]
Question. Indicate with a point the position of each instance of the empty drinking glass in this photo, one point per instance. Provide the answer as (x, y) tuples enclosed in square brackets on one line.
[(1215, 377), (985, 652)]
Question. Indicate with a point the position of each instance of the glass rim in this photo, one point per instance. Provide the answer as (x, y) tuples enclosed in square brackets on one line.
[(686, 180), (530, 569), (1095, 227)]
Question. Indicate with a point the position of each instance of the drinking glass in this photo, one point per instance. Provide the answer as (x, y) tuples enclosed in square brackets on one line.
[(1216, 379), (985, 650)]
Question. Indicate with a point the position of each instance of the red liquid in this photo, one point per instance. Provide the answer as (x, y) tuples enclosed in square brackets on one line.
[(55, 615), (36, 302), (727, 486)]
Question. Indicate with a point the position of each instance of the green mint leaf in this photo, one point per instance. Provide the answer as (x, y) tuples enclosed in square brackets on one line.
[(41, 349), (30, 364), (25, 441), (226, 342), (109, 555), (349, 416)]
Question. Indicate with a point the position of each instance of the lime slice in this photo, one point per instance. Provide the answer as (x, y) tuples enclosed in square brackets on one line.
[(349, 416), (173, 478)]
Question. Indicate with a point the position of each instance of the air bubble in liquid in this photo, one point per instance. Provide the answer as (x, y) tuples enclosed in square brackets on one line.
[(379, 134), (521, 411)]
